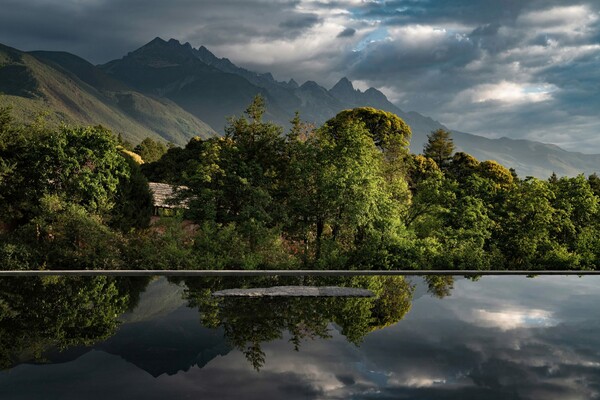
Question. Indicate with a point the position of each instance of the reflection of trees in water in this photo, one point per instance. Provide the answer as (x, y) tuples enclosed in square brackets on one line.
[(38, 313), (440, 286), (248, 322)]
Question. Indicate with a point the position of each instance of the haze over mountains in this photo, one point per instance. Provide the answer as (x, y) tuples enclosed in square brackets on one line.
[(171, 90)]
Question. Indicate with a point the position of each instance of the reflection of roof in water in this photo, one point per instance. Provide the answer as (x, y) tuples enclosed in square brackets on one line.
[(296, 291)]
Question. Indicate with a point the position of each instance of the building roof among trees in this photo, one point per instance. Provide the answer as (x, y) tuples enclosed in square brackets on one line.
[(165, 195)]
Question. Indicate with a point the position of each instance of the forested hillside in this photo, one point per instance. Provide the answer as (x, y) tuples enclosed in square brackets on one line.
[(345, 195), (67, 89)]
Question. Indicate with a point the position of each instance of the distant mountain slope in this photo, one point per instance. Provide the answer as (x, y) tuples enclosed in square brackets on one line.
[(172, 71), (316, 104), (146, 92), (529, 158), (213, 88), (71, 90)]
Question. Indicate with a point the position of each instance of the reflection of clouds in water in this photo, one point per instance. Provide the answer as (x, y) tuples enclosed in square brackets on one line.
[(418, 381), (498, 338), (535, 338), (512, 319), (514, 302)]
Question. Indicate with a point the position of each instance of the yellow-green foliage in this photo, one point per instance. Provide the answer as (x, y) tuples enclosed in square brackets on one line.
[(497, 173), (463, 165), (384, 127), (422, 165), (134, 156)]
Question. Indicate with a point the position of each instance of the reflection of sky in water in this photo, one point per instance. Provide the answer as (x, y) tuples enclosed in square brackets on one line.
[(497, 338), (512, 319)]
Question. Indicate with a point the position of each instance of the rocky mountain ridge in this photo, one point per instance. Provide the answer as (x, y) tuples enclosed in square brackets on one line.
[(174, 91)]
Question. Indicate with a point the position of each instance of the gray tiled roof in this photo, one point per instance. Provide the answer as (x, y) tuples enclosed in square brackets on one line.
[(164, 195)]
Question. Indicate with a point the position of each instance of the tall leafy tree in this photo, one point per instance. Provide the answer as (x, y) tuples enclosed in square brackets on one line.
[(463, 166), (80, 165), (133, 200), (150, 150), (522, 233), (387, 130), (497, 173), (439, 147), (353, 198)]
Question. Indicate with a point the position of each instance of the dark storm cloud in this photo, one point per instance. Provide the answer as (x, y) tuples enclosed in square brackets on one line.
[(300, 21), (502, 68), (476, 12), (107, 29), (348, 32), (517, 68), (486, 11)]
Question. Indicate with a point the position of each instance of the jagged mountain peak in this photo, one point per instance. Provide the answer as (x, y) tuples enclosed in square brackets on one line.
[(293, 84), (159, 53), (343, 84), (203, 53), (206, 56), (156, 40), (344, 91), (159, 44), (315, 89), (177, 44), (375, 95), (310, 85)]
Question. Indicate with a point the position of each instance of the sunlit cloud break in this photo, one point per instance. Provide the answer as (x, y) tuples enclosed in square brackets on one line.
[(513, 319), (512, 93)]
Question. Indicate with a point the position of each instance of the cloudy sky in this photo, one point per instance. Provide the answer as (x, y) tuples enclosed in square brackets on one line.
[(516, 68)]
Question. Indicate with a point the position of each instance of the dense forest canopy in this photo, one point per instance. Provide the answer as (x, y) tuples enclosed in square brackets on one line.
[(345, 195)]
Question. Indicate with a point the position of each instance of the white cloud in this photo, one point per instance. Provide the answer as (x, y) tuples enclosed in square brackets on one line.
[(569, 16), (551, 54), (418, 381), (508, 92), (415, 36), (512, 319)]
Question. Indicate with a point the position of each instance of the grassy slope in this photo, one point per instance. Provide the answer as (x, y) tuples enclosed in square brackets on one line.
[(34, 84)]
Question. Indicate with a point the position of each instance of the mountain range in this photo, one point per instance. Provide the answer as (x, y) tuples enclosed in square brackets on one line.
[(73, 91), (170, 90)]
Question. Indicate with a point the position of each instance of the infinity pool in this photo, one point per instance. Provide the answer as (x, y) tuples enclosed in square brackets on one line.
[(499, 337)]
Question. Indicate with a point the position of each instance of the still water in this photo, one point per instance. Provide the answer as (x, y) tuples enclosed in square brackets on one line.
[(503, 337)]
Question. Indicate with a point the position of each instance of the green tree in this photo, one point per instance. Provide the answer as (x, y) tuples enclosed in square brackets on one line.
[(81, 165), (439, 147), (150, 150), (496, 173), (387, 130), (463, 166), (62, 236), (576, 219), (391, 135), (523, 230), (133, 200), (594, 181), (351, 199)]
